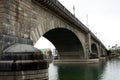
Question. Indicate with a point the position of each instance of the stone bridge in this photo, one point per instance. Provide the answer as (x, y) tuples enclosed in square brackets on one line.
[(25, 21)]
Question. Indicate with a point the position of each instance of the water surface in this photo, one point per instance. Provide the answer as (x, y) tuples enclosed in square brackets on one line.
[(107, 70)]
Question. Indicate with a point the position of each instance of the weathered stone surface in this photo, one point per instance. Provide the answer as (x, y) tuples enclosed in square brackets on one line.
[(25, 75), (21, 48)]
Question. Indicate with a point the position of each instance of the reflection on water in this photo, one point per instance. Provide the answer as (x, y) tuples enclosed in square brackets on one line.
[(53, 72), (109, 70)]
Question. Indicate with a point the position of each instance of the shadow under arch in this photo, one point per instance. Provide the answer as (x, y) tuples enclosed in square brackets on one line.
[(94, 50), (66, 42)]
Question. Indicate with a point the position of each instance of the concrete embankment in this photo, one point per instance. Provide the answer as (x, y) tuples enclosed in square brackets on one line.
[(76, 61)]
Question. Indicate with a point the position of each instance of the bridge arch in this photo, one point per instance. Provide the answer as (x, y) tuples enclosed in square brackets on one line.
[(66, 42), (94, 50)]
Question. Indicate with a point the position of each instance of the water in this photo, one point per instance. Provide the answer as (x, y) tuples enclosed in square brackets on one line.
[(108, 70)]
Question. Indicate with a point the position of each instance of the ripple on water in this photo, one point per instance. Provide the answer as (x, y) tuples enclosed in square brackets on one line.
[(109, 70)]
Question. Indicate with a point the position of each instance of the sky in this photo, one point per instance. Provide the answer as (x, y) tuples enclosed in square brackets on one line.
[(43, 43), (103, 18)]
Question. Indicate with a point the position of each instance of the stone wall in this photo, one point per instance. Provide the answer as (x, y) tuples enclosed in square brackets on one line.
[(1, 25), (25, 75), (15, 22)]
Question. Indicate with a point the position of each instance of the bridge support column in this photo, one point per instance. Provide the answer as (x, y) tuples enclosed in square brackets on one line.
[(15, 22), (89, 45), (99, 51)]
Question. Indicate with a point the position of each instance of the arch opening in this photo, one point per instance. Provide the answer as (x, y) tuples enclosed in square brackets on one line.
[(94, 50), (44, 43), (66, 43)]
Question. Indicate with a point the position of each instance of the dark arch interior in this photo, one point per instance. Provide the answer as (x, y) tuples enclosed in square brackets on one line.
[(94, 49), (66, 42)]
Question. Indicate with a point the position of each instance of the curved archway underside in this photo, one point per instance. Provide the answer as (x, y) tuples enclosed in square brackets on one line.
[(66, 42), (94, 50)]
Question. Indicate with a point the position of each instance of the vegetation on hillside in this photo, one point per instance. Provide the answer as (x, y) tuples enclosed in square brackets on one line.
[(115, 50)]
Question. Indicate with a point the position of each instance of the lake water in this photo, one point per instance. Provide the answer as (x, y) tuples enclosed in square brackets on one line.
[(106, 70)]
